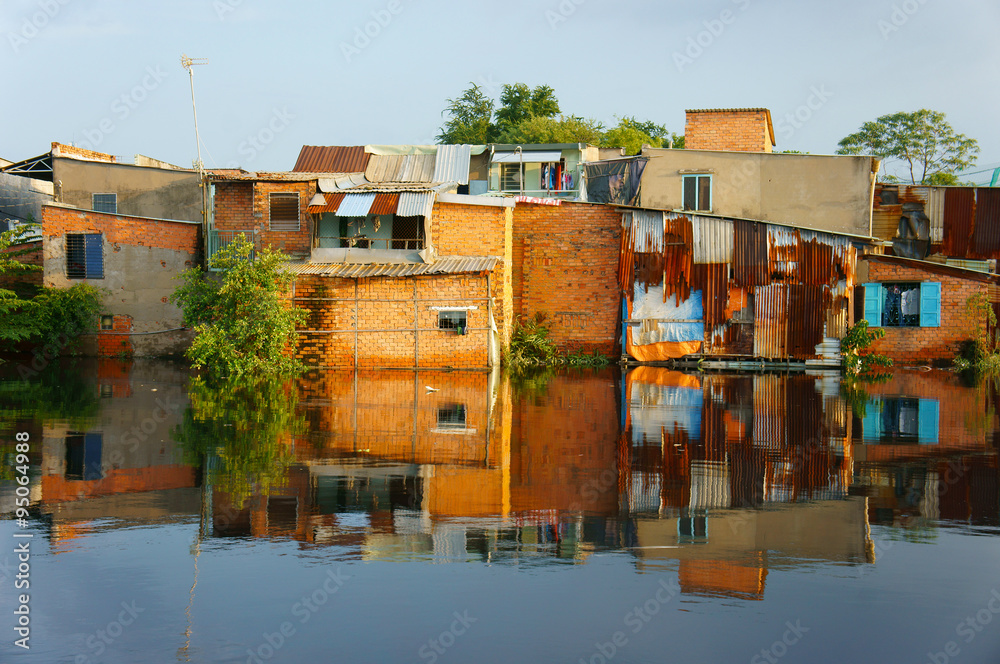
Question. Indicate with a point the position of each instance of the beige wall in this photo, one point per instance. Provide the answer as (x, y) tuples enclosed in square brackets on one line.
[(142, 191), (830, 193)]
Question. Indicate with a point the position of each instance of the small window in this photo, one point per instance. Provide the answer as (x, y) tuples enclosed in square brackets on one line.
[(698, 192), (511, 177), (84, 256), (901, 420), (889, 196), (452, 320), (284, 212), (903, 304), (451, 416), (105, 203), (692, 529), (83, 456), (107, 322)]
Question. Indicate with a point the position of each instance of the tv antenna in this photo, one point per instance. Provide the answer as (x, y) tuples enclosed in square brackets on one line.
[(188, 63)]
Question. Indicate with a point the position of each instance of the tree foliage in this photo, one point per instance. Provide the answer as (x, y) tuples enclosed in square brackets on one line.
[(244, 327), (16, 320), (470, 119), (533, 115), (923, 141)]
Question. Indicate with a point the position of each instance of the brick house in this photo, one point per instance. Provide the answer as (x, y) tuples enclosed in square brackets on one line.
[(392, 274), (921, 305), (135, 261)]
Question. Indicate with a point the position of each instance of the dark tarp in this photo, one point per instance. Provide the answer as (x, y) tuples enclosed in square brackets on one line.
[(616, 181)]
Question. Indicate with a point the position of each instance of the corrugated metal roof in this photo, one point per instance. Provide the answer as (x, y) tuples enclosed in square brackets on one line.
[(385, 204), (401, 168), (331, 205), (443, 265), (355, 205), (452, 163), (332, 159), (413, 204), (526, 157)]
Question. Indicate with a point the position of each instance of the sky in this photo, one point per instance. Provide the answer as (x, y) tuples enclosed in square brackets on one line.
[(107, 74)]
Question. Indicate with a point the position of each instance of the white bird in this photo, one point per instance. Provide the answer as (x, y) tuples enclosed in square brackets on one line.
[(430, 389)]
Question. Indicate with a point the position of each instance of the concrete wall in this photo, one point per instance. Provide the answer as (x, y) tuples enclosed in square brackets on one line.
[(565, 264), (924, 345), (831, 193), (22, 197), (142, 191), (141, 259)]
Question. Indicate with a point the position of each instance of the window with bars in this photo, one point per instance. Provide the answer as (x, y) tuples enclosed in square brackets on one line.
[(105, 203), (284, 208), (698, 192), (511, 177), (84, 256), (452, 320), (451, 416)]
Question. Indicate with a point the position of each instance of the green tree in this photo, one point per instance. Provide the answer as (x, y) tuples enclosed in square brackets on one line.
[(470, 119), (538, 129), (518, 103), (923, 141), (16, 320), (632, 134), (244, 326)]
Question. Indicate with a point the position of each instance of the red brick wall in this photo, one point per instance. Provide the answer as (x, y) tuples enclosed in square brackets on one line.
[(383, 309), (742, 131), (111, 343), (118, 229), (565, 262), (923, 345), (478, 230), (246, 205)]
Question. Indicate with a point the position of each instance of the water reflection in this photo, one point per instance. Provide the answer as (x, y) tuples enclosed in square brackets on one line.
[(721, 477)]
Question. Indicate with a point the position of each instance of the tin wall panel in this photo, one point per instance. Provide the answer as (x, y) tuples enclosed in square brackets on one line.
[(783, 253), (770, 321), (935, 211), (452, 163), (712, 279), (678, 263), (713, 240), (986, 233), (959, 214), (750, 254), (807, 306), (647, 233)]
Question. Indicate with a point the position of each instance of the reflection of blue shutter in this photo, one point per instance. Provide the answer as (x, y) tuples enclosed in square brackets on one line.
[(930, 304), (928, 417), (873, 304), (94, 256), (871, 425), (92, 445)]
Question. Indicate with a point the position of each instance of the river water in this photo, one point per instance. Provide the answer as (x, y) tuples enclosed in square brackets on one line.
[(594, 516)]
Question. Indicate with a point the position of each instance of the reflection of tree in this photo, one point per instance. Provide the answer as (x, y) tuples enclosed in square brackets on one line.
[(53, 394), (242, 431)]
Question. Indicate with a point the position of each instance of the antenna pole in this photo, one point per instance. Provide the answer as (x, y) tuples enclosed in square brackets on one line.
[(188, 63)]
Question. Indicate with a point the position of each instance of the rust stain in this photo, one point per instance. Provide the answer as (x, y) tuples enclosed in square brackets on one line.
[(750, 254), (985, 242), (959, 215)]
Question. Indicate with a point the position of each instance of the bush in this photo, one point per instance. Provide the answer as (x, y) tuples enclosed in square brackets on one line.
[(530, 347), (859, 360), (243, 325)]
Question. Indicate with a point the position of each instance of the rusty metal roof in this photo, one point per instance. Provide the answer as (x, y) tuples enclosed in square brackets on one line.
[(332, 159), (443, 265), (249, 176), (401, 168)]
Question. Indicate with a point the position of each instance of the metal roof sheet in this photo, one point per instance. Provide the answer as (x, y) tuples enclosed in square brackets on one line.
[(385, 204), (452, 163), (356, 205), (332, 159), (415, 204), (526, 156), (401, 168), (443, 265), (331, 205)]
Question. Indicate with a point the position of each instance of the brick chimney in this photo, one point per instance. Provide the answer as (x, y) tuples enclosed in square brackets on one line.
[(734, 129)]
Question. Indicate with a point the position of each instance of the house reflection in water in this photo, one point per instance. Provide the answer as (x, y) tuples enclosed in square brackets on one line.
[(719, 477)]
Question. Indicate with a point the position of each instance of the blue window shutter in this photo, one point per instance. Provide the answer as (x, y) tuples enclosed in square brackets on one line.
[(930, 304), (928, 417), (94, 256), (92, 458), (873, 304), (871, 425)]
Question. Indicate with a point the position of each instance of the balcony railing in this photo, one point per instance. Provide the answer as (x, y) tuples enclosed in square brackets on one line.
[(220, 239), (362, 242)]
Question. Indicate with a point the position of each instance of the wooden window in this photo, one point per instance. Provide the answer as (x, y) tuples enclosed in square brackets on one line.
[(284, 212)]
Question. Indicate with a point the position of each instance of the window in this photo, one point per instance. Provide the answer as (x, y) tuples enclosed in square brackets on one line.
[(903, 304), (452, 320), (511, 177), (105, 203), (284, 212), (83, 456), (451, 416), (698, 192), (692, 528), (84, 256), (107, 322)]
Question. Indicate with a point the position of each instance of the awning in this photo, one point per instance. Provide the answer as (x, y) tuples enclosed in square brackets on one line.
[(356, 205), (414, 204), (527, 157), (331, 204)]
